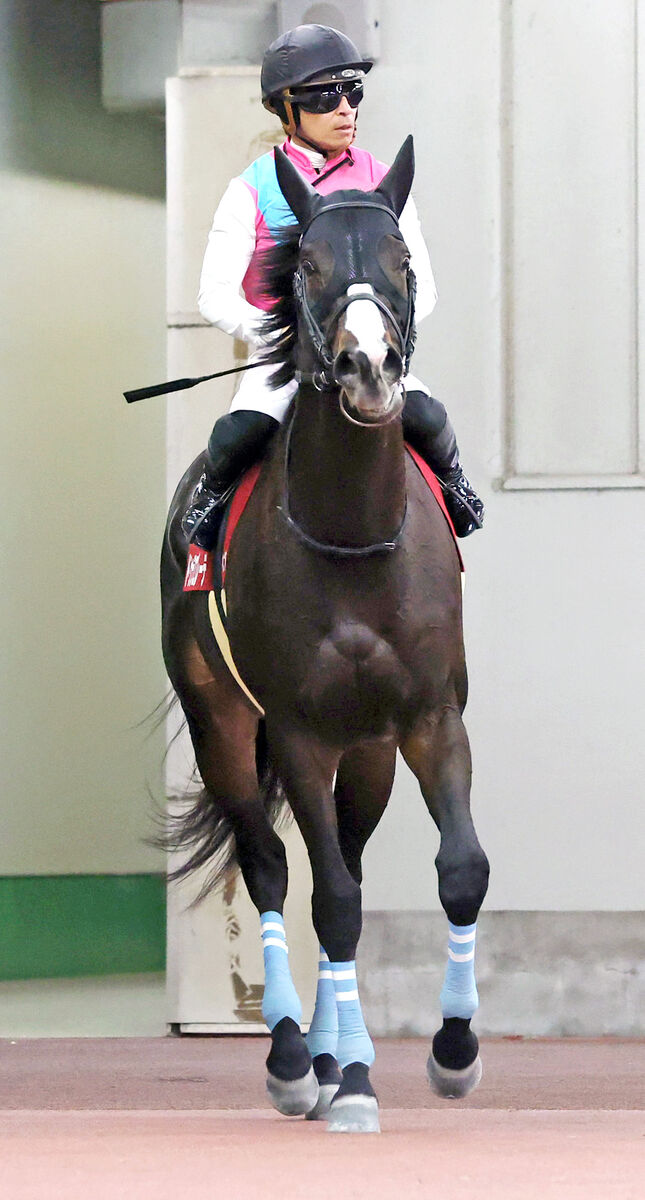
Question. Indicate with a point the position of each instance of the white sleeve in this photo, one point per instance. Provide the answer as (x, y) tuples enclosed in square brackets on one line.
[(420, 260), (231, 243)]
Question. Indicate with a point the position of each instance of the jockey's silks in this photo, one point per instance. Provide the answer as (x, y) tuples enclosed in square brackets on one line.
[(354, 168)]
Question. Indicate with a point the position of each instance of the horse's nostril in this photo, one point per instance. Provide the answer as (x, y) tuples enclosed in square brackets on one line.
[(345, 367), (392, 366)]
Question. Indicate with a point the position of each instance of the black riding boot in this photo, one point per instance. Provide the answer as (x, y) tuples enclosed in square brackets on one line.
[(238, 440), (427, 428)]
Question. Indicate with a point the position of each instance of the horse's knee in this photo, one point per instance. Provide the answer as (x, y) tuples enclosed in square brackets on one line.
[(463, 883), (336, 912), (267, 852), (263, 863)]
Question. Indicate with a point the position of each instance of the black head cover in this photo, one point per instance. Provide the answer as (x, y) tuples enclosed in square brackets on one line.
[(395, 186)]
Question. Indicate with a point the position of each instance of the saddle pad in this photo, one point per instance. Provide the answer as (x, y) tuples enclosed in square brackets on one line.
[(206, 572), (435, 488), (206, 569)]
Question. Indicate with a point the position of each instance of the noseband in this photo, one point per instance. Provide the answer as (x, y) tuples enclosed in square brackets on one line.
[(323, 377)]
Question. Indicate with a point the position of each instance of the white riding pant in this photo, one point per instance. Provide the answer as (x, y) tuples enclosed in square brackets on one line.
[(255, 394)]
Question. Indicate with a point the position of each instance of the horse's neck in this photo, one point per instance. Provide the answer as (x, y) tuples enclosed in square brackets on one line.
[(346, 483)]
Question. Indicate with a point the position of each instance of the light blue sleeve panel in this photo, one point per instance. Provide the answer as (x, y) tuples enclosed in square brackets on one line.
[(272, 206)]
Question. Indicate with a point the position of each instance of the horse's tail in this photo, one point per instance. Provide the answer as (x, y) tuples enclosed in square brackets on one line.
[(203, 832)]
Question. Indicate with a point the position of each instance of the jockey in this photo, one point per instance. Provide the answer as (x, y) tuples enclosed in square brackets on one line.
[(312, 79)]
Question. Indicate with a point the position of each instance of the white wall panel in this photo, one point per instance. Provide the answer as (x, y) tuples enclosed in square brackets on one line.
[(571, 194)]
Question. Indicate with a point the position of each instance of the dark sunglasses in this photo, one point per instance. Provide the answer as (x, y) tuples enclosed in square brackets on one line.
[(327, 97)]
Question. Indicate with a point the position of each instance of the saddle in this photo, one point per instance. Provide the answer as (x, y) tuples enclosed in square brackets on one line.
[(206, 569)]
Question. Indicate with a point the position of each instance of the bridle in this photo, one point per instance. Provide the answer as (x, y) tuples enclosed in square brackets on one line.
[(323, 380), (323, 377)]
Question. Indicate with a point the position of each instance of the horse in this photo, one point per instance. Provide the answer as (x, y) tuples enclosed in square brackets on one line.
[(343, 594)]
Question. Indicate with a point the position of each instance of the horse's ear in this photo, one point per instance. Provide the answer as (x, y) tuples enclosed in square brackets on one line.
[(298, 193), (395, 186)]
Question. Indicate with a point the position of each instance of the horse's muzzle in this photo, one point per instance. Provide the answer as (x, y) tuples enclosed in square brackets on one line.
[(370, 394), (360, 414)]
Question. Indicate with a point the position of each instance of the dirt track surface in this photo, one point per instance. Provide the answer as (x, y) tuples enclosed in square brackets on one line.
[(164, 1119)]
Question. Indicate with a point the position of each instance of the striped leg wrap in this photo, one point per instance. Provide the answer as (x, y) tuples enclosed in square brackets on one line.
[(280, 996), (354, 1042), (323, 1031), (459, 992)]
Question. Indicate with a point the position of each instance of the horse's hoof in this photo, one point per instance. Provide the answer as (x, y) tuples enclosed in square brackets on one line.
[(453, 1085), (354, 1114), (293, 1097), (326, 1093)]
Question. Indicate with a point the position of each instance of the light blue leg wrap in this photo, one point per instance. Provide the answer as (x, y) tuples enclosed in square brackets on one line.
[(280, 996), (323, 1031), (354, 1042), (459, 992)]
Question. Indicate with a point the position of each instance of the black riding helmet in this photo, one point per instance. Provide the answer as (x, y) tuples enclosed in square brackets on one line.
[(300, 54), (298, 57)]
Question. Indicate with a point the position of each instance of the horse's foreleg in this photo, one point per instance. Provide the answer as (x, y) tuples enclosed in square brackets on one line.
[(224, 742), (307, 770), (291, 1081), (363, 787), (439, 754)]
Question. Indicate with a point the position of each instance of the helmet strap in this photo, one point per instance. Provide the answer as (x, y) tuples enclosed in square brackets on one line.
[(290, 116), (308, 142)]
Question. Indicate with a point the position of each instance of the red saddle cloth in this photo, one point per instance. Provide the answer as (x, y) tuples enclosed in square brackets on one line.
[(204, 574), (201, 572)]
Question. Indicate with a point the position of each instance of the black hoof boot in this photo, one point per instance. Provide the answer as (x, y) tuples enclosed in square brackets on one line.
[(465, 508), (238, 440), (454, 1065), (201, 521), (354, 1108), (291, 1079), (329, 1080)]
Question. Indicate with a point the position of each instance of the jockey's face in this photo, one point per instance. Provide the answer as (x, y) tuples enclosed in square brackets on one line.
[(333, 131)]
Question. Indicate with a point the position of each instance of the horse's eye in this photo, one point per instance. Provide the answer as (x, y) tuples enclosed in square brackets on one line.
[(405, 265), (308, 267)]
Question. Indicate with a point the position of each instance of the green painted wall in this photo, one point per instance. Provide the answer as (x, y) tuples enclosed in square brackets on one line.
[(65, 926)]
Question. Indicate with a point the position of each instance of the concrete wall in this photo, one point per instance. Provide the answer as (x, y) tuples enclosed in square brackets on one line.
[(82, 477)]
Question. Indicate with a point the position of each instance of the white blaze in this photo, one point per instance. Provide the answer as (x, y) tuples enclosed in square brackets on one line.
[(365, 321)]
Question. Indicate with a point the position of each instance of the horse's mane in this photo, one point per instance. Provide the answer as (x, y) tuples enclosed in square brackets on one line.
[(279, 326)]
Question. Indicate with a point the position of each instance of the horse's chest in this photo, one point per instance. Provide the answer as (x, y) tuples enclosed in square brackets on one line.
[(355, 679)]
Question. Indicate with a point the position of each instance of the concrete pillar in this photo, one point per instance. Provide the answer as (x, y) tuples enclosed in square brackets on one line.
[(215, 127)]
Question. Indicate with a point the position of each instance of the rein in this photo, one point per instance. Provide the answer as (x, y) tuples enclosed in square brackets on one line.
[(327, 547)]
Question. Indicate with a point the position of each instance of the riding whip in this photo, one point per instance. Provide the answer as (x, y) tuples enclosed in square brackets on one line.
[(178, 385)]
